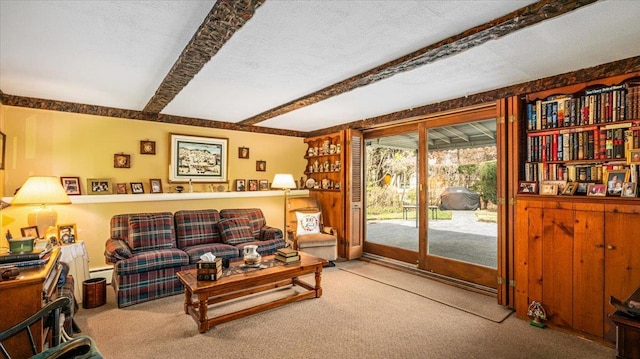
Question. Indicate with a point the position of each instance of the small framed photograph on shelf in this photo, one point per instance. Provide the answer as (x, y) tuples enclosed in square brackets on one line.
[(528, 187), (261, 166), (120, 160), (99, 186), (548, 189), (570, 188), (71, 185), (121, 188), (596, 189), (243, 152), (137, 187), (240, 185), (264, 185), (30, 232), (67, 233), (629, 189), (633, 156), (581, 189), (253, 185), (614, 182), (156, 185)]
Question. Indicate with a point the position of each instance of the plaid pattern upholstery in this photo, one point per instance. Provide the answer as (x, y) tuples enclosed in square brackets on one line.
[(152, 260), (255, 216), (220, 250), (142, 287), (66, 290), (195, 227), (235, 231), (115, 250), (270, 233), (150, 231), (120, 224)]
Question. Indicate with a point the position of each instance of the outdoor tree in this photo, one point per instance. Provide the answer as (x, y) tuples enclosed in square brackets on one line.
[(488, 185)]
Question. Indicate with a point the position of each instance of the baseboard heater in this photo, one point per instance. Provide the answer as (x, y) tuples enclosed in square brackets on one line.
[(102, 272)]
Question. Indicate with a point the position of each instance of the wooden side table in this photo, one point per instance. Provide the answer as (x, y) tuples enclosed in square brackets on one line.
[(627, 336)]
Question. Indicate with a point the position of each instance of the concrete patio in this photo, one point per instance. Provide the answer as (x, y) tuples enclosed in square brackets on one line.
[(462, 238)]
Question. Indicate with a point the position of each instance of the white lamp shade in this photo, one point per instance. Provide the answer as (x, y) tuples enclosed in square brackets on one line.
[(283, 181), (40, 190)]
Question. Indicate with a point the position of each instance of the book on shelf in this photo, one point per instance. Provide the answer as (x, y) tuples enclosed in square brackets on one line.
[(287, 252), (287, 259)]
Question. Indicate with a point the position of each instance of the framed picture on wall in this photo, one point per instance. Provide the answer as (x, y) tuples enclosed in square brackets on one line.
[(198, 159), (137, 187), (147, 147), (121, 188), (261, 166), (71, 185), (243, 152), (3, 146), (156, 185), (121, 160), (99, 186), (240, 185), (264, 185), (253, 184)]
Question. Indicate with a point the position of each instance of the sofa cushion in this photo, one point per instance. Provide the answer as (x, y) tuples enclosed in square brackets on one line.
[(255, 216), (195, 227), (235, 231), (150, 231), (152, 260), (308, 223), (220, 250)]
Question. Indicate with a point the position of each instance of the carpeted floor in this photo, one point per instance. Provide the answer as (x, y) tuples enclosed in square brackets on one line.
[(357, 317)]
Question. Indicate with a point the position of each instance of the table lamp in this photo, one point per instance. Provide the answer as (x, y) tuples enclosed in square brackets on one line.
[(41, 191), (285, 182)]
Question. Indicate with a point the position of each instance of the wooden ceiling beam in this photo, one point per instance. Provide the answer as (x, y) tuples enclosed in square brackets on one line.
[(514, 21)]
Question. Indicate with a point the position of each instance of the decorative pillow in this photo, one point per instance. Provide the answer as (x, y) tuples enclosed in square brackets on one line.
[(150, 231), (235, 230), (308, 223)]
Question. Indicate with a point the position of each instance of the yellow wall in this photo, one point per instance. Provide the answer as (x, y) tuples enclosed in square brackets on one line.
[(54, 143)]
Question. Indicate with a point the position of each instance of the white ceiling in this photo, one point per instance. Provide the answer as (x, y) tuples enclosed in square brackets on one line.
[(116, 54)]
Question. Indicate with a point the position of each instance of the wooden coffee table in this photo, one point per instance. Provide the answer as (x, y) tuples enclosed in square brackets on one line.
[(198, 295)]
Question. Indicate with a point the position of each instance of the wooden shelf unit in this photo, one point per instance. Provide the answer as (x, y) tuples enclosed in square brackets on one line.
[(573, 252)]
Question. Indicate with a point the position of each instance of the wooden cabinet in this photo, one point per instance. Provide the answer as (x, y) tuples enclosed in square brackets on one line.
[(22, 297), (325, 180), (572, 254)]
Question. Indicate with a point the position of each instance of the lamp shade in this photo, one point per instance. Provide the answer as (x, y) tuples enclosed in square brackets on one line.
[(41, 190), (283, 181)]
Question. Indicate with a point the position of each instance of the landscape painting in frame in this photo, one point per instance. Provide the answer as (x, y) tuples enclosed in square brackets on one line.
[(198, 159)]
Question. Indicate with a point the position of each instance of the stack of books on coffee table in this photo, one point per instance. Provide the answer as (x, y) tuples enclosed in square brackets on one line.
[(287, 255), (209, 270)]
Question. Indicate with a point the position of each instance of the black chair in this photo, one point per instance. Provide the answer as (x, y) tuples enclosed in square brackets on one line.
[(79, 347)]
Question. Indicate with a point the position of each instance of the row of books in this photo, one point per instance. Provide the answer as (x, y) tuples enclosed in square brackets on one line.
[(540, 172), (585, 143), (287, 255), (35, 258), (604, 105)]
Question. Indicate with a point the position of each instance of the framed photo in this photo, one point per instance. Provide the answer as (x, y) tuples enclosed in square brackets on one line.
[(99, 186), (596, 189), (570, 188), (261, 166), (3, 146), (629, 189), (30, 232), (253, 185), (147, 147), (121, 188), (198, 159), (549, 189), (243, 152), (67, 233), (71, 185), (633, 156), (156, 185), (120, 160), (240, 185), (137, 187), (560, 183), (581, 189), (529, 187), (263, 185), (615, 180)]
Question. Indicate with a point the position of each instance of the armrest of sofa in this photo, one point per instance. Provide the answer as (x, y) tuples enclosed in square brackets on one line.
[(268, 232), (115, 250)]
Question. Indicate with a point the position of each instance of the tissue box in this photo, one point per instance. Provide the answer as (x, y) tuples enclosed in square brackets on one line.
[(23, 244)]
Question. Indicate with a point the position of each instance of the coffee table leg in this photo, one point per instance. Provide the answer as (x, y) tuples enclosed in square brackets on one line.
[(203, 325), (318, 278)]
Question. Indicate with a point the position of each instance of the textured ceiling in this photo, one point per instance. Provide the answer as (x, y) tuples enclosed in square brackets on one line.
[(117, 54)]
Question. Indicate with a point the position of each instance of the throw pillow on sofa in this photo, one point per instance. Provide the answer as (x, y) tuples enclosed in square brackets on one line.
[(308, 223), (150, 231), (235, 231)]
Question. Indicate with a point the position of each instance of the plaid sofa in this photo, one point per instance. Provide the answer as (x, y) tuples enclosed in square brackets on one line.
[(147, 249)]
